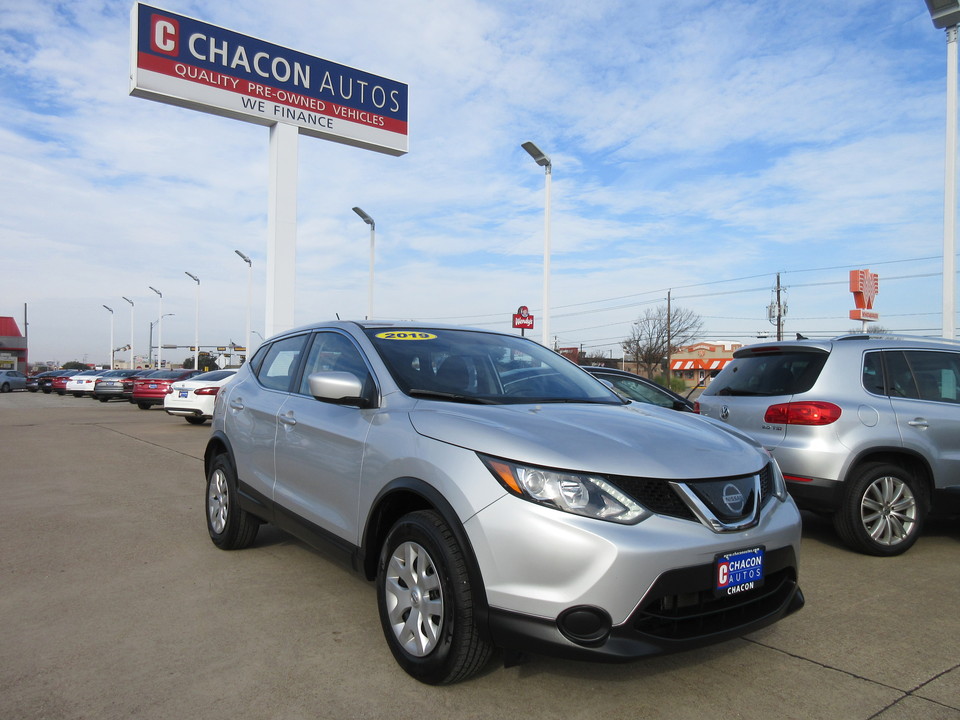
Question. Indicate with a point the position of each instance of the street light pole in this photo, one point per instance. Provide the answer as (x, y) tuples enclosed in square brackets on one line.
[(373, 228), (544, 160), (196, 325), (110, 310), (249, 263), (946, 15), (159, 330), (150, 350), (131, 329)]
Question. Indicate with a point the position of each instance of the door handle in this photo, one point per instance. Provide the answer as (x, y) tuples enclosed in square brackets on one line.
[(918, 423), (287, 419), (236, 404)]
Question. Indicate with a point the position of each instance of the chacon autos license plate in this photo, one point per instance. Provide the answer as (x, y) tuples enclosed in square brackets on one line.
[(184, 393), (738, 571)]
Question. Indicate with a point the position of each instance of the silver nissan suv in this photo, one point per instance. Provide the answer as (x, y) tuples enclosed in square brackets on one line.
[(501, 497), (865, 428)]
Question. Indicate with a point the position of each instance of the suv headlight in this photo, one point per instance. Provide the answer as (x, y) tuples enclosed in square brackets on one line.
[(577, 493)]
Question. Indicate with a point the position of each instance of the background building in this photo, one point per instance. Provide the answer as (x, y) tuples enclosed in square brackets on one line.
[(13, 346)]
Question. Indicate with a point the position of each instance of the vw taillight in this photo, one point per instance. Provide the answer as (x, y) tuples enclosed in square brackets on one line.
[(802, 413)]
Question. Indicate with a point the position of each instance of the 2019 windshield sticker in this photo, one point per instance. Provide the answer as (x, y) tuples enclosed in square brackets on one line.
[(405, 335)]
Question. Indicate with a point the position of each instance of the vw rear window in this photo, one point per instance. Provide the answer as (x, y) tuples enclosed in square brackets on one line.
[(770, 374)]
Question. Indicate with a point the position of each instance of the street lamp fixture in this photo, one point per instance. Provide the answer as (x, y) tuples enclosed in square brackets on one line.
[(131, 330), (249, 263), (543, 160), (373, 227), (159, 330), (110, 310), (946, 15), (196, 324)]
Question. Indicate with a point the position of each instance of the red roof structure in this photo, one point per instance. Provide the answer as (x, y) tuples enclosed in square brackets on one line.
[(9, 328)]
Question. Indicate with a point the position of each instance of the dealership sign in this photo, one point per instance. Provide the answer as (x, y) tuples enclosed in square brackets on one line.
[(865, 287), (186, 62)]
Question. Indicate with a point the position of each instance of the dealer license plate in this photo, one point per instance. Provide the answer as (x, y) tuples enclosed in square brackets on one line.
[(739, 571), (152, 386), (184, 393)]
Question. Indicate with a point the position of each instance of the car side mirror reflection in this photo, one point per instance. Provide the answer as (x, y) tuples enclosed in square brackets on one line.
[(342, 388)]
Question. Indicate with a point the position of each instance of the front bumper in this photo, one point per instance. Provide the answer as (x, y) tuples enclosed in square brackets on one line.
[(569, 586), (679, 613)]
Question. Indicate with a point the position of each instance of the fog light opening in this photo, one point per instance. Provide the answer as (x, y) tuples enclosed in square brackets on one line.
[(585, 625)]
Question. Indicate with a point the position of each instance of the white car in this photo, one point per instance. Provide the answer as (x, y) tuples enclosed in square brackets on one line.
[(193, 399), (83, 383)]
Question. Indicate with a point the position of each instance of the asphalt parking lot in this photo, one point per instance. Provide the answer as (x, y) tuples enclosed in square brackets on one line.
[(114, 604)]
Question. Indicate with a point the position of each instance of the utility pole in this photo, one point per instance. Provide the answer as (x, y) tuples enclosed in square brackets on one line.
[(779, 312), (669, 340)]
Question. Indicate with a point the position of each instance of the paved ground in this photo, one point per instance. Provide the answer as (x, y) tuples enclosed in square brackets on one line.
[(114, 604)]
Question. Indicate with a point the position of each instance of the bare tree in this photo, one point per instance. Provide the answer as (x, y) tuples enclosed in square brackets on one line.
[(647, 343)]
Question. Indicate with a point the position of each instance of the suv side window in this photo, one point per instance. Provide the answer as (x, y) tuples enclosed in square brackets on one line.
[(281, 362), (872, 378), (936, 374), (333, 352), (900, 378)]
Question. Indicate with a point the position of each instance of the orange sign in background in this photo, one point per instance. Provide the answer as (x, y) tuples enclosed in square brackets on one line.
[(865, 287)]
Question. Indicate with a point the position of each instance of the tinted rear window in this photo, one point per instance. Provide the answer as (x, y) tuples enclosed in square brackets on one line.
[(787, 373)]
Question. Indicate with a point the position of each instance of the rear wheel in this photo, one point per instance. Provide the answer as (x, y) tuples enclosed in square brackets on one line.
[(5, 388), (230, 526), (196, 419), (426, 601), (143, 405), (883, 510)]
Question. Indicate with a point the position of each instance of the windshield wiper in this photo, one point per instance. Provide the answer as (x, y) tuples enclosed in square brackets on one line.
[(439, 395)]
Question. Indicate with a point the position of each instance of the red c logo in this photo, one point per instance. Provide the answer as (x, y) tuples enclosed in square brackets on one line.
[(164, 35)]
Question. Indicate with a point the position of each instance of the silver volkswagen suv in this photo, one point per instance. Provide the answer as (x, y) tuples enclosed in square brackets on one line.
[(501, 497), (866, 428)]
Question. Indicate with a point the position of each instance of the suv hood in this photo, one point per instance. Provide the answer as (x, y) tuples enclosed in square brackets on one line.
[(606, 439)]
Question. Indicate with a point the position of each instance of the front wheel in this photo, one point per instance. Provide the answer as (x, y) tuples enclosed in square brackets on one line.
[(426, 601), (230, 526), (883, 510)]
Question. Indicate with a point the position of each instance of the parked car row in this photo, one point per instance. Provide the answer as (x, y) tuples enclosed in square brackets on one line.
[(185, 393)]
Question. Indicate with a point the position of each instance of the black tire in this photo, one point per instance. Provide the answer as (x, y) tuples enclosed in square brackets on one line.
[(5, 388), (195, 419), (143, 405), (230, 526), (423, 567), (103, 399), (883, 510)]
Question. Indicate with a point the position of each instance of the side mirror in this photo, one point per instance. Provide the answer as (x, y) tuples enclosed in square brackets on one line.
[(342, 388)]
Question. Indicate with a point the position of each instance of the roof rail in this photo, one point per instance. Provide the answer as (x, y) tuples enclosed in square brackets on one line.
[(903, 338)]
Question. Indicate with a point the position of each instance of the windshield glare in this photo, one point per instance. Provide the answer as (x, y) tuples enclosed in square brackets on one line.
[(482, 367)]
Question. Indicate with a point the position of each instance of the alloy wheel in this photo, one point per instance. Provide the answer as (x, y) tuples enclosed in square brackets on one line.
[(414, 599)]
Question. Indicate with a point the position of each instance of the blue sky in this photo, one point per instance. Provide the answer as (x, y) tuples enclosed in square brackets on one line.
[(698, 147)]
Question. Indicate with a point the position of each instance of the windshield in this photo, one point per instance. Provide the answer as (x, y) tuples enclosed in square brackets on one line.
[(474, 366)]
